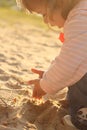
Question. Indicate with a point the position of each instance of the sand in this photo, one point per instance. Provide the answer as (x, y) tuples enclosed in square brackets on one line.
[(23, 47)]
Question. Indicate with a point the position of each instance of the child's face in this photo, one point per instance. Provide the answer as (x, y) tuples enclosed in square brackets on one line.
[(57, 19), (40, 7)]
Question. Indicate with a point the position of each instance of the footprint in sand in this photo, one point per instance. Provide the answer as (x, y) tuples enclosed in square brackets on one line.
[(2, 71), (16, 72), (20, 56), (2, 55), (13, 59), (4, 78), (14, 64), (2, 58)]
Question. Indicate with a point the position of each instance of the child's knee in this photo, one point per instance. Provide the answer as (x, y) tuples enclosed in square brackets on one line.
[(79, 119)]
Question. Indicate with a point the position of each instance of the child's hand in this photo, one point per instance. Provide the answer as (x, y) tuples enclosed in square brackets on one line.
[(37, 91), (39, 72)]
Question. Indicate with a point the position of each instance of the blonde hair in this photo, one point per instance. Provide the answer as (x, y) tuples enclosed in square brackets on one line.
[(65, 5), (23, 4)]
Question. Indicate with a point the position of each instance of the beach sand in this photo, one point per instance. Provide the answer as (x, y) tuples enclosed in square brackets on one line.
[(23, 47)]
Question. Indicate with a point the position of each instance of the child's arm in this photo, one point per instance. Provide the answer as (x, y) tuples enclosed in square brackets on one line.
[(71, 64)]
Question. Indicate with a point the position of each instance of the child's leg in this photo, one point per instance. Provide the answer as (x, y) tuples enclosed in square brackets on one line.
[(77, 97)]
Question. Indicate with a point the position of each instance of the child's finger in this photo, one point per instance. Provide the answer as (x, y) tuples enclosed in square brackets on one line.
[(37, 71), (34, 81), (34, 93)]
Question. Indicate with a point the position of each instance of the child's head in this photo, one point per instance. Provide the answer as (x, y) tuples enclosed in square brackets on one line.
[(54, 12), (38, 6)]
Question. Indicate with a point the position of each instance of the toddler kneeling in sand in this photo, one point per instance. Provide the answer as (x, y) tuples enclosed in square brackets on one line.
[(70, 67)]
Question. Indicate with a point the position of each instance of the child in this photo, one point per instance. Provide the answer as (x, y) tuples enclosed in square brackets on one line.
[(70, 67)]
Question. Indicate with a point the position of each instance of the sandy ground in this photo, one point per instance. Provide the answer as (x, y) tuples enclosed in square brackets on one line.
[(21, 48)]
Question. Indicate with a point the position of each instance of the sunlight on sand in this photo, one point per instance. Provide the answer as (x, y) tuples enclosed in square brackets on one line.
[(19, 47)]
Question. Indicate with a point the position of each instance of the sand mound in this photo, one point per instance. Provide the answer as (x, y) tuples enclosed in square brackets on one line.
[(45, 116), (33, 115)]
